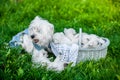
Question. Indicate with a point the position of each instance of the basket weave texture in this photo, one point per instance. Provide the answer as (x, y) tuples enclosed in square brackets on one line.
[(92, 54)]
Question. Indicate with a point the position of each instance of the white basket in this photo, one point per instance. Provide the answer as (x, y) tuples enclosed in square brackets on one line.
[(69, 53), (83, 54), (92, 54)]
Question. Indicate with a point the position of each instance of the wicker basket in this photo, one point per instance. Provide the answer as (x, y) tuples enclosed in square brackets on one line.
[(83, 54), (92, 54)]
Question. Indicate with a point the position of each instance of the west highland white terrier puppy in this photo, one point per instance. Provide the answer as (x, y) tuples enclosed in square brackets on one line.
[(68, 37), (91, 41), (60, 38), (41, 32), (57, 65), (72, 35), (85, 38)]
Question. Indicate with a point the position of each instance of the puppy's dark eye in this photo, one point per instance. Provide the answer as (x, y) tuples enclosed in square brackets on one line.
[(38, 30), (98, 43)]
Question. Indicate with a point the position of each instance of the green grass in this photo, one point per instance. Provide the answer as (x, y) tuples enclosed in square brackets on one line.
[(101, 17)]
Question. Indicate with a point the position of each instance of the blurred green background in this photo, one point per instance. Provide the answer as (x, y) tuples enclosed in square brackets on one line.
[(100, 17)]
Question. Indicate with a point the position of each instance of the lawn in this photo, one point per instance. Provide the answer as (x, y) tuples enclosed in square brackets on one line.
[(100, 17)]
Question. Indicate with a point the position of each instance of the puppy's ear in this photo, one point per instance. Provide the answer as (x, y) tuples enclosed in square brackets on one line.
[(37, 18), (65, 29)]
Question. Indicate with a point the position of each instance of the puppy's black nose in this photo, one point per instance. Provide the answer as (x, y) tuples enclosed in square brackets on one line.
[(32, 36)]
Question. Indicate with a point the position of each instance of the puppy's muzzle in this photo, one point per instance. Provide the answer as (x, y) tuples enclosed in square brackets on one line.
[(36, 40)]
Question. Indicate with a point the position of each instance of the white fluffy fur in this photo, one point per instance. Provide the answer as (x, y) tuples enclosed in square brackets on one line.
[(41, 31), (85, 39), (72, 35), (60, 38), (91, 41), (27, 44), (40, 57), (68, 37), (57, 65)]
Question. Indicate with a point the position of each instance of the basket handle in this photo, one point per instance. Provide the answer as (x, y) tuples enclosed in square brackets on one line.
[(80, 37)]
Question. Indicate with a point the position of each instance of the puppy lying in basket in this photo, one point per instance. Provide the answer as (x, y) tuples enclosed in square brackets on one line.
[(71, 37)]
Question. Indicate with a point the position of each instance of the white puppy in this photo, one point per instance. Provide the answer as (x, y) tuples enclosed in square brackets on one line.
[(94, 41), (69, 32), (41, 31), (68, 37), (60, 38), (72, 35), (91, 41), (57, 65), (85, 38), (40, 57)]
